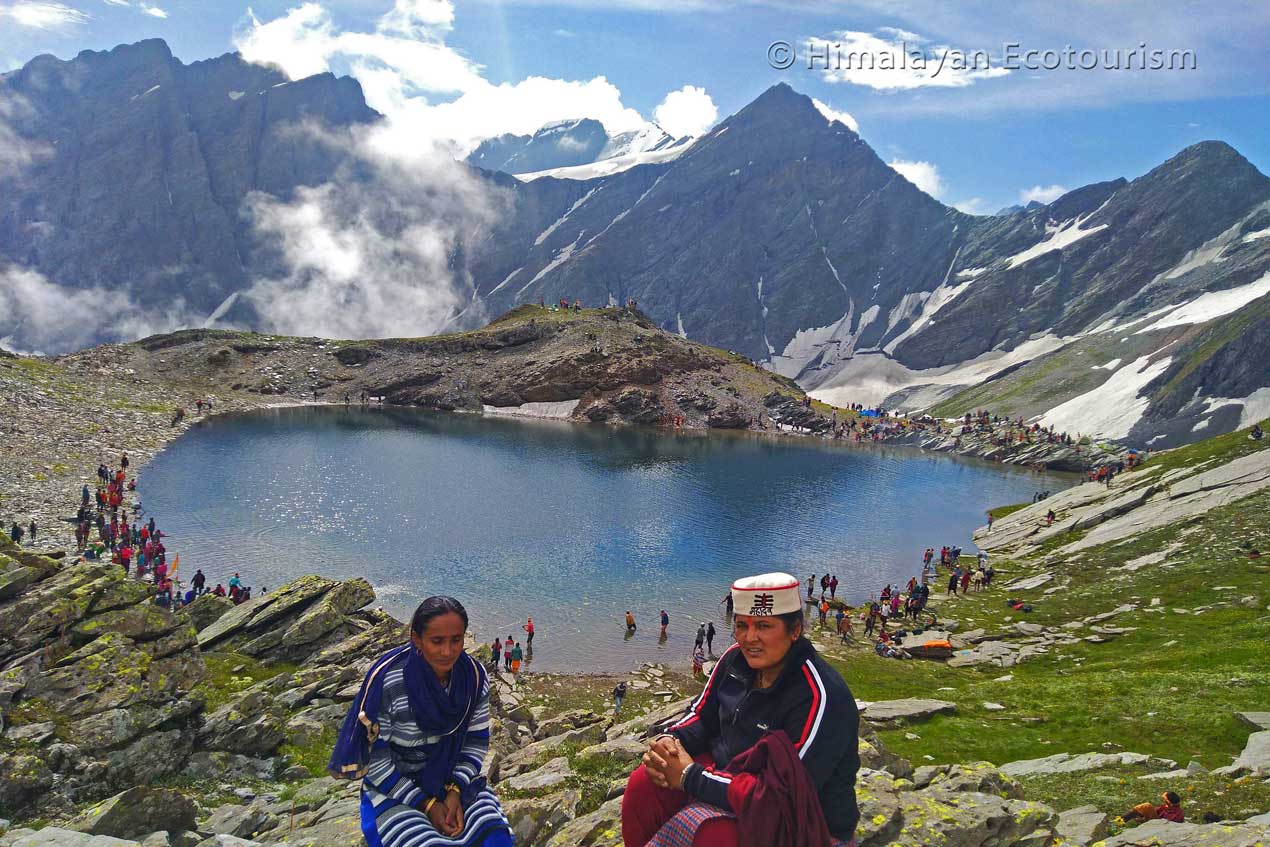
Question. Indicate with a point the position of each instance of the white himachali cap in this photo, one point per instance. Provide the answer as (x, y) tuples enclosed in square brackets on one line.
[(766, 594)]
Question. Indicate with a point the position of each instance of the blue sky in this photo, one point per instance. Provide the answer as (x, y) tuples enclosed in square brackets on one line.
[(989, 140)]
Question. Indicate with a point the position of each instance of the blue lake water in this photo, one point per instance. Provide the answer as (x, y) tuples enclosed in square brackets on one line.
[(572, 524)]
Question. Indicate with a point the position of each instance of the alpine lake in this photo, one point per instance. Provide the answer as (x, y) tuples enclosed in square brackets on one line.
[(570, 523)]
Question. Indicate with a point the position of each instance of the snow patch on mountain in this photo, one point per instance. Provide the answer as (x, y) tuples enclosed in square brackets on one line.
[(1059, 236), (219, 311), (542, 236), (1211, 305), (871, 376), (1256, 406), (617, 164), (1112, 408), (560, 258), (506, 279), (931, 304), (547, 409)]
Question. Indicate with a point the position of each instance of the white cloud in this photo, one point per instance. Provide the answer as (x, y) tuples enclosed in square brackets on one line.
[(42, 15), (426, 88), (1041, 193), (116, 2), (153, 11), (416, 18), (372, 256), (836, 115), (688, 111), (564, 33), (40, 316), (17, 152), (300, 42), (973, 206), (925, 175), (895, 60)]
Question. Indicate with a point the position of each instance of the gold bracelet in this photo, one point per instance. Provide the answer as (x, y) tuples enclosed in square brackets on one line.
[(428, 805), (453, 786)]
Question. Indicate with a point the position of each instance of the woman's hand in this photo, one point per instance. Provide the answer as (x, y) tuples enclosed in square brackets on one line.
[(439, 814), (665, 762), (454, 813)]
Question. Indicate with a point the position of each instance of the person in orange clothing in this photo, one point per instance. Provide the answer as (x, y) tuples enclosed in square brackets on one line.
[(1171, 810)]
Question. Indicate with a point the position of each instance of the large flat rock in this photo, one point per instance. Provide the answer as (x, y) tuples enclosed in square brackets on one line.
[(1067, 763), (1255, 757), (1191, 496), (52, 836), (906, 711), (1169, 834), (1030, 583), (1256, 721), (1082, 826)]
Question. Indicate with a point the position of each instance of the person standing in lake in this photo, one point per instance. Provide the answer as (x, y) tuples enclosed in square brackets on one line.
[(630, 622), (518, 656), (529, 639), (710, 638), (417, 735), (497, 651), (665, 622)]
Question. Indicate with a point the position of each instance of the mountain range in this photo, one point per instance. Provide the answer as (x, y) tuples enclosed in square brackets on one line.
[(1134, 308)]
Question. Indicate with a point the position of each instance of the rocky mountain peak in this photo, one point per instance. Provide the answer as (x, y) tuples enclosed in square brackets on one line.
[(1214, 164), (783, 108)]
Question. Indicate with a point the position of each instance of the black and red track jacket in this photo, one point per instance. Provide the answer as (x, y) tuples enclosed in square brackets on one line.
[(809, 701)]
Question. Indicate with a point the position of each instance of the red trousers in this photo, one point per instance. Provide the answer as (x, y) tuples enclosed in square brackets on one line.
[(645, 807)]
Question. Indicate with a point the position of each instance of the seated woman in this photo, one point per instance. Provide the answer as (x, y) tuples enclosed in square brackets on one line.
[(417, 734), (768, 749)]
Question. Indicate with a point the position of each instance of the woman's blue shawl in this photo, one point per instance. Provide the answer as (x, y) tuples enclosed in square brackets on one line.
[(436, 711)]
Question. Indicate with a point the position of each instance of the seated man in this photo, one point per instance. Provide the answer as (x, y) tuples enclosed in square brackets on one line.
[(769, 748)]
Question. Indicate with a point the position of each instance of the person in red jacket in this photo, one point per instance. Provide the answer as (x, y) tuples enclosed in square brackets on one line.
[(1171, 810), (702, 782)]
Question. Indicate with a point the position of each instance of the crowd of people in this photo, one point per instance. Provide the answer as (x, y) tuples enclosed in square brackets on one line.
[(108, 527)]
